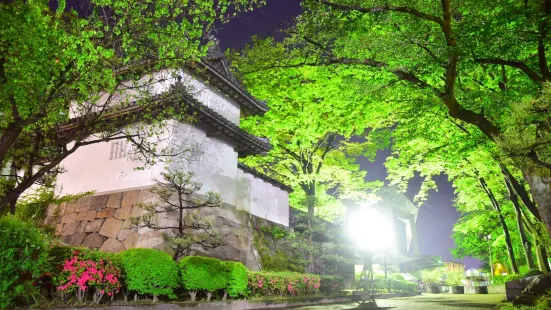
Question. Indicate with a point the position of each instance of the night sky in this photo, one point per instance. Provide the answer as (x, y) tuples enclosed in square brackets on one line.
[(438, 215)]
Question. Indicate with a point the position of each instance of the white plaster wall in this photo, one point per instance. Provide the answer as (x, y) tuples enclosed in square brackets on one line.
[(99, 168), (106, 167), (213, 160), (214, 163), (262, 199)]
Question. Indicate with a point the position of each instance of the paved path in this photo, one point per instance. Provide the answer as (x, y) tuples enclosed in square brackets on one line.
[(427, 302)]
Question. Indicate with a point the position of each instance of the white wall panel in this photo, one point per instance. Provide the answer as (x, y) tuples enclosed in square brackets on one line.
[(262, 199)]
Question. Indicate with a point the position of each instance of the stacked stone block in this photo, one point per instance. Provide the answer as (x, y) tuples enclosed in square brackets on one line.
[(101, 222), (105, 222)]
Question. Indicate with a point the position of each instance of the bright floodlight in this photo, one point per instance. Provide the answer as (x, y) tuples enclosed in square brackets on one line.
[(370, 230)]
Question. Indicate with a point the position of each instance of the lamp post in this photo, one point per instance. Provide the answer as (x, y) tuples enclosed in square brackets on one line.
[(488, 238), (372, 233)]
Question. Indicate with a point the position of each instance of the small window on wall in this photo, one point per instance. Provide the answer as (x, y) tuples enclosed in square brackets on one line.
[(118, 150)]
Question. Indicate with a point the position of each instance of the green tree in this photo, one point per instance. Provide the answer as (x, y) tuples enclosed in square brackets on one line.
[(469, 61), (432, 276), (178, 213), (471, 167), (315, 142), (69, 76)]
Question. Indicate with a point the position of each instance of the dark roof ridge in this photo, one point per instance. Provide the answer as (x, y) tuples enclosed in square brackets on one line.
[(217, 68), (214, 118), (255, 145)]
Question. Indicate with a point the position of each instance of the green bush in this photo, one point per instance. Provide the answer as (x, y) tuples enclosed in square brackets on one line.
[(498, 280), (390, 285), (431, 276), (511, 277), (531, 273), (237, 279), (455, 277), (331, 284), (149, 271), (23, 258), (397, 276), (203, 274), (33, 207)]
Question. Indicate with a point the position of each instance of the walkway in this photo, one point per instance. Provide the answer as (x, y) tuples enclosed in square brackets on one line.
[(427, 302)]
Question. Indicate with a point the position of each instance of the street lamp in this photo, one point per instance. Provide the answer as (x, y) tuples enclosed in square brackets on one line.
[(488, 238), (370, 230), (372, 233)]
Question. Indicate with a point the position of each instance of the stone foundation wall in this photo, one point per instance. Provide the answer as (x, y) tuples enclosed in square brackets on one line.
[(105, 222)]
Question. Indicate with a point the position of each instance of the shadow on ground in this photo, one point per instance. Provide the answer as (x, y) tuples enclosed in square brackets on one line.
[(462, 305)]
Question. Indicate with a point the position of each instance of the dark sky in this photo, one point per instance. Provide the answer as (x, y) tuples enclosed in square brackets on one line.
[(438, 215)]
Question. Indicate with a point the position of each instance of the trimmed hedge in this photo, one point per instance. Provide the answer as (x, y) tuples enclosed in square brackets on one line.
[(531, 273), (283, 283), (30, 267), (203, 274), (238, 279), (394, 286), (149, 271), (24, 260)]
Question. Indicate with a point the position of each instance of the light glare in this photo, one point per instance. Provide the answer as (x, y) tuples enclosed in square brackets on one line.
[(370, 230)]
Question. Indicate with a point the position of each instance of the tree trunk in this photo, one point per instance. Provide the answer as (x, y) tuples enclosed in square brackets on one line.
[(11, 185), (545, 260), (521, 192), (310, 239), (541, 255), (508, 242), (8, 139), (510, 250), (541, 193), (12, 206), (310, 191), (526, 245), (26, 183)]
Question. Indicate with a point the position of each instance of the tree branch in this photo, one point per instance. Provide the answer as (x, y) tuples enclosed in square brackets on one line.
[(512, 63), (386, 8)]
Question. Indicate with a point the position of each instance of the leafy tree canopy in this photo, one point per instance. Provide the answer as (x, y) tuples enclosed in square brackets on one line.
[(87, 62)]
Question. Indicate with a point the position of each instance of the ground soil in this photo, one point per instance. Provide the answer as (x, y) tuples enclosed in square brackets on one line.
[(426, 302)]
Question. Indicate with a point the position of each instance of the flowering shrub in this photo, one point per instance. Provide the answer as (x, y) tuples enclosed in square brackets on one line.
[(283, 284), (331, 284), (89, 270)]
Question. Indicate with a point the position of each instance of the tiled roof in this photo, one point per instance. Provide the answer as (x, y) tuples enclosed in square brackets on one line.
[(247, 144), (216, 71)]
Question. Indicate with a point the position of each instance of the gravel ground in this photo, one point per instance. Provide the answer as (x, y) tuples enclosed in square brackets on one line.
[(427, 302)]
